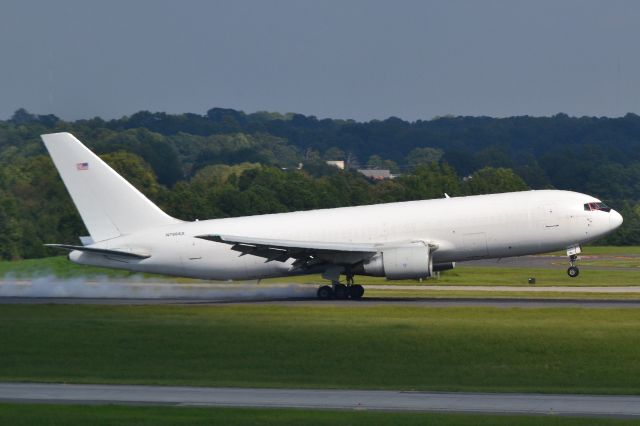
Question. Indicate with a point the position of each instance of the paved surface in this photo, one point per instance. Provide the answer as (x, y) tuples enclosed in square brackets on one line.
[(461, 302), (54, 290), (525, 289), (582, 405), (364, 303)]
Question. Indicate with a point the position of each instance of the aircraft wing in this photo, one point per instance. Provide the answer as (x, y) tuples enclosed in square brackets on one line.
[(306, 253)]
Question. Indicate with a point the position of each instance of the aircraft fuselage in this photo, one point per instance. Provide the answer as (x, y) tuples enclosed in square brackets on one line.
[(459, 228)]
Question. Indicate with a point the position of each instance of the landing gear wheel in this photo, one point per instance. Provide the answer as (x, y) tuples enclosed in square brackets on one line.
[(325, 292), (356, 291), (573, 270), (340, 291)]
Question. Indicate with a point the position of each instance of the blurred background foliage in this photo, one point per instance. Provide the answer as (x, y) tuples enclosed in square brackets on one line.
[(227, 163)]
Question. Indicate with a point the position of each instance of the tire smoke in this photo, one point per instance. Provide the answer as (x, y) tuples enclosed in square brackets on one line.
[(137, 287)]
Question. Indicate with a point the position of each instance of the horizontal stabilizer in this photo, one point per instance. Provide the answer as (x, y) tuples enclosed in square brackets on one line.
[(101, 251)]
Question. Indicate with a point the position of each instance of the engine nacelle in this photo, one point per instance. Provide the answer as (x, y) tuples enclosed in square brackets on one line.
[(400, 263)]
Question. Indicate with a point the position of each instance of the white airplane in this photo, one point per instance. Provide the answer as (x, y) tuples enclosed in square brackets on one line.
[(406, 240)]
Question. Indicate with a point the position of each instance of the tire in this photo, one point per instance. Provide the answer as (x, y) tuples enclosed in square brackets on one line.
[(573, 271), (356, 291), (325, 293), (341, 291)]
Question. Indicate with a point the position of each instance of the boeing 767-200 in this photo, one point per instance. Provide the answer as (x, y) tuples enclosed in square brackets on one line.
[(407, 240)]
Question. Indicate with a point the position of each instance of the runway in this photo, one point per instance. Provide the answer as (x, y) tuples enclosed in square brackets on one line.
[(367, 302), (134, 292), (82, 291), (577, 405), (505, 288)]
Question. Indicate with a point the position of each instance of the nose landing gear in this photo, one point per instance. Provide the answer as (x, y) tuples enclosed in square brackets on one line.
[(573, 270), (573, 252)]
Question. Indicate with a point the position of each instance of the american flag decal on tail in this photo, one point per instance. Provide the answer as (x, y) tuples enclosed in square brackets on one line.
[(82, 166)]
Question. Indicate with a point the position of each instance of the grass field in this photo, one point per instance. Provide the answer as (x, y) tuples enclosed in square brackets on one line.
[(59, 266), (27, 415), (473, 349)]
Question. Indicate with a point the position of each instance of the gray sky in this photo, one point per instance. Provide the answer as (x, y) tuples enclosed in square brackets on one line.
[(340, 59)]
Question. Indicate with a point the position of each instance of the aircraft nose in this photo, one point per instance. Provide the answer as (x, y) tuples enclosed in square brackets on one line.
[(615, 219)]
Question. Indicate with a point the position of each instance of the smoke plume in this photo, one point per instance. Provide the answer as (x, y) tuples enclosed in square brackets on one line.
[(138, 288)]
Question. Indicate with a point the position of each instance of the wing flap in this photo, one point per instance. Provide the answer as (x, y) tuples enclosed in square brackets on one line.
[(291, 244), (305, 253)]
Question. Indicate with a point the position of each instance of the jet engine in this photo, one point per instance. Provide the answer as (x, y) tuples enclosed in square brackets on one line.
[(399, 263)]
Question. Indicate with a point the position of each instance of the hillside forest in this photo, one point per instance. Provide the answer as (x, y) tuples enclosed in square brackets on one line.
[(229, 163)]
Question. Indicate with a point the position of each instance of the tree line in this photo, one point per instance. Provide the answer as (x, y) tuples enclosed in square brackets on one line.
[(228, 163)]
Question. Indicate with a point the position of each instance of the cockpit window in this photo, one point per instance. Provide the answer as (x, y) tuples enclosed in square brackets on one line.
[(589, 207)]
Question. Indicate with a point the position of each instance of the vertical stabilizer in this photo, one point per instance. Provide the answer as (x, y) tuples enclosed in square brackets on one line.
[(108, 204)]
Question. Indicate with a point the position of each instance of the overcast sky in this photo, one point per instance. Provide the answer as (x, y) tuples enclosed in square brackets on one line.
[(341, 59)]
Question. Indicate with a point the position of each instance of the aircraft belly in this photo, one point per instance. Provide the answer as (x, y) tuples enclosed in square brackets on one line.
[(208, 260)]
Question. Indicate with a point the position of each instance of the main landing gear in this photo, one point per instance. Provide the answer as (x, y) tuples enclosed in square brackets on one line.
[(573, 252), (340, 291)]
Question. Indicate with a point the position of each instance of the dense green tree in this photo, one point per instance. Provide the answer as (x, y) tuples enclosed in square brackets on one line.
[(377, 162), (422, 156), (431, 181), (227, 163), (136, 171), (10, 229), (335, 154), (489, 180), (629, 232)]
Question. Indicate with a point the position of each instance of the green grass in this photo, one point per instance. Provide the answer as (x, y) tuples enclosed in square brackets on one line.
[(70, 415), (62, 267), (58, 265), (471, 348)]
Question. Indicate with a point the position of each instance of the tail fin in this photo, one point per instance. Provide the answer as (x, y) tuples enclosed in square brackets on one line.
[(108, 204)]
